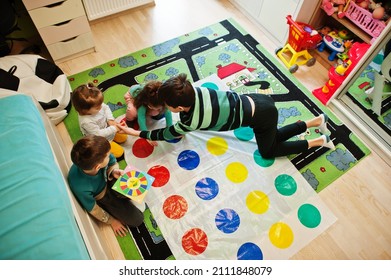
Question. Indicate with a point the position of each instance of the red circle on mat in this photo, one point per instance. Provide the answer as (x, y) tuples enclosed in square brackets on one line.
[(175, 207), (194, 241), (141, 148), (161, 175)]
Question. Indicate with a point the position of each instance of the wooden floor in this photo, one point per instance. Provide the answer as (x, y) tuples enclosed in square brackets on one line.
[(361, 199)]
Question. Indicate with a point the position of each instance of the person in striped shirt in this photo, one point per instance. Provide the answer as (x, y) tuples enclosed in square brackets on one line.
[(202, 108)]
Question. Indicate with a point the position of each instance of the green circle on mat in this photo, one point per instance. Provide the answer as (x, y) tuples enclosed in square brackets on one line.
[(264, 162), (309, 215), (244, 133), (285, 184)]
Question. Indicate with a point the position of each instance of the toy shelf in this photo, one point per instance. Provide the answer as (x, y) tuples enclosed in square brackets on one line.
[(353, 28), (320, 19)]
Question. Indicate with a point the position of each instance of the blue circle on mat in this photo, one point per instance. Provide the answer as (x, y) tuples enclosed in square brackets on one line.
[(264, 162), (227, 220), (175, 140), (245, 133), (249, 251), (188, 160), (210, 85), (207, 188)]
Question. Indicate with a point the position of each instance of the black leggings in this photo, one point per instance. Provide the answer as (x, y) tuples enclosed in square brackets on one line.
[(272, 142), (121, 208)]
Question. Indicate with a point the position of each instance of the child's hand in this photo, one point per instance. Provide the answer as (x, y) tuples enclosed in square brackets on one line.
[(117, 173), (122, 122), (152, 143), (111, 122), (118, 228), (127, 130), (127, 97)]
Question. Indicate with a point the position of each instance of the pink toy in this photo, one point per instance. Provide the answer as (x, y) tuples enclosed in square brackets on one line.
[(332, 6), (328, 7), (364, 19)]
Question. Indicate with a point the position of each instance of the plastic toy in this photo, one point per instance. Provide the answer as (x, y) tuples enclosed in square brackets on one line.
[(332, 42), (302, 37), (344, 34), (338, 74), (364, 20), (344, 55)]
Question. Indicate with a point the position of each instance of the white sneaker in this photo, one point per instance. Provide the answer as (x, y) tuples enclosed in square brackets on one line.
[(327, 142), (323, 126)]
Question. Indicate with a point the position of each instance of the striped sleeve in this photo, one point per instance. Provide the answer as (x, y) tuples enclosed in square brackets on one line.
[(168, 133), (213, 110)]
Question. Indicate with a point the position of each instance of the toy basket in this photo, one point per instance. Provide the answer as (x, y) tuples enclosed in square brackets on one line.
[(300, 37), (363, 19)]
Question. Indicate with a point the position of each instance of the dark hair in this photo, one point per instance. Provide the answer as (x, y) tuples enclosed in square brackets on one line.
[(148, 95), (85, 97), (177, 91), (90, 151)]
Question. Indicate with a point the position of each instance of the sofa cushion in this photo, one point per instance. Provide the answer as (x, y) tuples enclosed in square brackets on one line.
[(37, 220)]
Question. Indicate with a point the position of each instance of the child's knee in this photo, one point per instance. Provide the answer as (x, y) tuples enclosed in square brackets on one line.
[(135, 219), (131, 113), (266, 153), (140, 219)]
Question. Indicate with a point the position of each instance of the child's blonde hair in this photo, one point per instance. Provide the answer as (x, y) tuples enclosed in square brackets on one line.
[(85, 97)]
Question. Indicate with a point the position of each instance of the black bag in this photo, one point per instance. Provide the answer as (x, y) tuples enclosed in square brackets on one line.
[(8, 80)]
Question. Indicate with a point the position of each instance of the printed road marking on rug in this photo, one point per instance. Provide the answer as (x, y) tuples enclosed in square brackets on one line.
[(215, 197)]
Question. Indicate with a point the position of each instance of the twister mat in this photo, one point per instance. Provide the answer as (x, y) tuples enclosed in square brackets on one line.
[(215, 197), (226, 56)]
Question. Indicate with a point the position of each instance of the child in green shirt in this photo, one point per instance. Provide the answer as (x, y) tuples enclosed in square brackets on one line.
[(93, 173), (142, 102)]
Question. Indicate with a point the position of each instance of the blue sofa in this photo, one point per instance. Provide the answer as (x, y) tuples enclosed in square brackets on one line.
[(38, 218)]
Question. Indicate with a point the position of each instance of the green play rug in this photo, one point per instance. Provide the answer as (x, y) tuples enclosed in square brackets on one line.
[(226, 51)]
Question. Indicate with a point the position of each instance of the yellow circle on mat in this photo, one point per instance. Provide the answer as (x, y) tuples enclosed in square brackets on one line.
[(236, 172), (281, 235), (257, 202), (217, 146)]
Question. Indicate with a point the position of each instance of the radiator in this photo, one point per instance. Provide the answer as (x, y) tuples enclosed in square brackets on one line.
[(100, 8)]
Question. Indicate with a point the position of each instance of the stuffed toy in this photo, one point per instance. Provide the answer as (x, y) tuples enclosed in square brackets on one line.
[(362, 3), (332, 6)]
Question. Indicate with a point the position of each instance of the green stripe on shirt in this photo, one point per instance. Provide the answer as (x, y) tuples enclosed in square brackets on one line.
[(212, 110)]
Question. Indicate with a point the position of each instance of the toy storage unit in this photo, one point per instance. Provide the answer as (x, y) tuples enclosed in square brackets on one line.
[(63, 27), (356, 20)]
